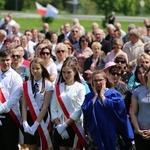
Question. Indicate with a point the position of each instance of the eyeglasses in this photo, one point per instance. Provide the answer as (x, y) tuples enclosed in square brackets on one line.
[(115, 73), (147, 50), (116, 47), (47, 53), (17, 56), (83, 40), (98, 80), (74, 31), (60, 51), (122, 61)]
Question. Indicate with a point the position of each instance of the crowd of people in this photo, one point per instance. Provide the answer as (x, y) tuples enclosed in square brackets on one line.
[(75, 90)]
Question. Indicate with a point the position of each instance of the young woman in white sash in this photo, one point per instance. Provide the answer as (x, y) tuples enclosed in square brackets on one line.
[(35, 105), (66, 108)]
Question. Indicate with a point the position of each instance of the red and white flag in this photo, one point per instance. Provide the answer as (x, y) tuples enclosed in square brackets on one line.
[(49, 11)]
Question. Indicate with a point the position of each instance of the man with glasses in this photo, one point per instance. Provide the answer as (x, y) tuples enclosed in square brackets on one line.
[(134, 47), (75, 36)]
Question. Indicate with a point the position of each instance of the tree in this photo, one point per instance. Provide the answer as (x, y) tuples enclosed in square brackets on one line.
[(2, 3), (107, 6), (129, 7), (147, 6), (86, 4)]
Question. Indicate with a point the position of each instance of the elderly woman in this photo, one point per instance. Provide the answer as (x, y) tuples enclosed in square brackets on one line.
[(117, 46), (61, 52), (144, 59), (105, 114), (94, 62), (17, 65)]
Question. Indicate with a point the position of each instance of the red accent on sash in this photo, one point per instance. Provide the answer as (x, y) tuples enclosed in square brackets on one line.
[(13, 115), (34, 117), (81, 140)]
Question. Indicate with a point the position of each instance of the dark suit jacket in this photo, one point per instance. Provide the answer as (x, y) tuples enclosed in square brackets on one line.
[(110, 39), (62, 36), (87, 64), (106, 46)]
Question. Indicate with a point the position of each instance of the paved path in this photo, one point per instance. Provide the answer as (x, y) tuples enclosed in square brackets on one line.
[(81, 17)]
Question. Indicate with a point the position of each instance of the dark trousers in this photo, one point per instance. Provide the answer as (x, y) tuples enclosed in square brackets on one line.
[(141, 144), (9, 133)]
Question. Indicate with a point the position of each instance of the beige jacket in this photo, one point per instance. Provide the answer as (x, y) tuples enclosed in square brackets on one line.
[(133, 51)]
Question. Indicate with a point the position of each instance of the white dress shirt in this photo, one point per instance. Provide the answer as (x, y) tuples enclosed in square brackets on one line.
[(11, 85)]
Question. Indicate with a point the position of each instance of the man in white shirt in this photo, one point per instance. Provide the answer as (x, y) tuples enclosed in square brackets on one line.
[(11, 22), (10, 93), (15, 31)]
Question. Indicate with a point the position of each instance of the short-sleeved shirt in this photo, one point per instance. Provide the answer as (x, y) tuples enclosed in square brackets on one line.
[(142, 95)]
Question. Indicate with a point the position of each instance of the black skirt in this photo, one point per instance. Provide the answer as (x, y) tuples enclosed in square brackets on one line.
[(64, 142)]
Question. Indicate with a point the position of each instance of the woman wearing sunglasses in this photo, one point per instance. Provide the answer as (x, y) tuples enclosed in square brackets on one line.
[(16, 64), (47, 56), (117, 50), (83, 52), (61, 52), (121, 61), (105, 114), (115, 76)]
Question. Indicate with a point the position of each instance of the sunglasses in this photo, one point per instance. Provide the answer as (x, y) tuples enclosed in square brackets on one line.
[(17, 56), (60, 51), (74, 31), (47, 53), (115, 73), (122, 61), (83, 40), (147, 50)]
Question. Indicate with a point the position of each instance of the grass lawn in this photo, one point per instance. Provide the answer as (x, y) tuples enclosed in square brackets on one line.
[(30, 23)]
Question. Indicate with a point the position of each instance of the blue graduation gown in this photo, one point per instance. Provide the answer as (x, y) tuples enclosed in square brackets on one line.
[(103, 121)]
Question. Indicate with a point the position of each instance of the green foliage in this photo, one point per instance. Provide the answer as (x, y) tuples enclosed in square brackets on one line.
[(47, 19), (86, 4), (107, 7), (13, 4), (147, 6), (2, 3), (129, 8)]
